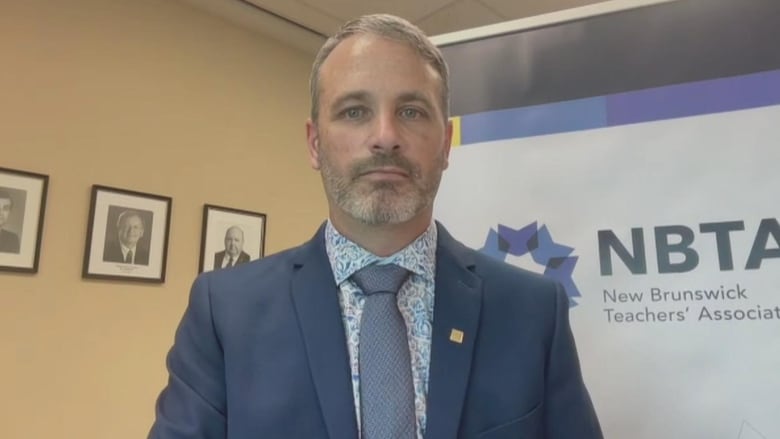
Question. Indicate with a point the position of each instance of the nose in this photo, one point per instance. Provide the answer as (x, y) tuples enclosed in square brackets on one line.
[(387, 135)]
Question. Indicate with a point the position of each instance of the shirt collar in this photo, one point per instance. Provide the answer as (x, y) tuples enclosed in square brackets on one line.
[(126, 249), (347, 257)]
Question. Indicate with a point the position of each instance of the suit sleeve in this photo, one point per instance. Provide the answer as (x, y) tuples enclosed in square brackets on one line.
[(569, 412), (192, 405)]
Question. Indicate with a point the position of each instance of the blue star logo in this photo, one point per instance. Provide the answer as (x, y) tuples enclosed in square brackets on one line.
[(537, 241)]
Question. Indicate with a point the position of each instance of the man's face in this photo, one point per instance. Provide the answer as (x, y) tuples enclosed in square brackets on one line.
[(381, 141), (234, 242), (131, 229), (5, 210)]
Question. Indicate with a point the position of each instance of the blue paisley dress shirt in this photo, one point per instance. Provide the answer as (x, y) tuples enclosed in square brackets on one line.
[(415, 301)]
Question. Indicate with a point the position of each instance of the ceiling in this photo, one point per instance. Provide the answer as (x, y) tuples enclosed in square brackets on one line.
[(305, 24)]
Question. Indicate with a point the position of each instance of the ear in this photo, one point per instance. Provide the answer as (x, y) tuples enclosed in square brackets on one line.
[(313, 143), (447, 143)]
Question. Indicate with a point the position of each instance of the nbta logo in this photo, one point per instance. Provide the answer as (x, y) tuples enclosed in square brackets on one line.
[(555, 258)]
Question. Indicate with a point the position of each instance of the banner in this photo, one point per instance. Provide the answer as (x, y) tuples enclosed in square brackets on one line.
[(658, 211)]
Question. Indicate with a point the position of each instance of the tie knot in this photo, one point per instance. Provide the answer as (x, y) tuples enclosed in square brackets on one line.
[(386, 278)]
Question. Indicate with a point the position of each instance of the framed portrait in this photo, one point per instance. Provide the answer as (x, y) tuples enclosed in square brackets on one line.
[(230, 237), (22, 205), (127, 235)]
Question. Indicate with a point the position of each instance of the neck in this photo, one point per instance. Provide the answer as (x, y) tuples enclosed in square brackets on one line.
[(381, 240)]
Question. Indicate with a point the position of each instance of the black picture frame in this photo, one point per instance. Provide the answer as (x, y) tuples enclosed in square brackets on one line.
[(218, 221), (127, 235), (22, 210)]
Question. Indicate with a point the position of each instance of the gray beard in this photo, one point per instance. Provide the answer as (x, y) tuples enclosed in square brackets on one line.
[(383, 203)]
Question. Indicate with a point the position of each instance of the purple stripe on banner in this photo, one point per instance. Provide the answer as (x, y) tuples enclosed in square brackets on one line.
[(668, 102), (696, 98), (576, 115)]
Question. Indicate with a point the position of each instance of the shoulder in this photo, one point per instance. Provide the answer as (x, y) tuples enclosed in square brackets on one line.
[(7, 234), (500, 280), (112, 246), (268, 272), (239, 294), (487, 267), (504, 283), (264, 274), (9, 240)]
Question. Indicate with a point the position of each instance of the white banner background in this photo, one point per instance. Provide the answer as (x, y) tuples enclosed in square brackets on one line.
[(690, 379)]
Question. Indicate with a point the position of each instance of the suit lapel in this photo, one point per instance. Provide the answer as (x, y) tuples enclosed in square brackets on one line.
[(315, 296), (457, 305)]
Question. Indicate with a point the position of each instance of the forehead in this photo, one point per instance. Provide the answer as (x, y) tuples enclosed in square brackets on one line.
[(132, 220), (376, 64)]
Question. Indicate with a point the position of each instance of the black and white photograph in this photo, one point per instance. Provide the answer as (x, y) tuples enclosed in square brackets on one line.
[(127, 235), (230, 237), (22, 206), (126, 240)]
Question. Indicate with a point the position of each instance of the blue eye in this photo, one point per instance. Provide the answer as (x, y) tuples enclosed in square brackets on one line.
[(353, 113), (411, 113)]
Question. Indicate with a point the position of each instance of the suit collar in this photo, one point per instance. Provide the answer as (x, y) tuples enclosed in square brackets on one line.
[(457, 307), (315, 297)]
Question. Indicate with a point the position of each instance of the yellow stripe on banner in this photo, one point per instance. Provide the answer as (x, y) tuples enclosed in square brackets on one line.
[(455, 130)]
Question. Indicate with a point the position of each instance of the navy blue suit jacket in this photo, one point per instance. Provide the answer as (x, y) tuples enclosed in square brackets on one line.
[(261, 353)]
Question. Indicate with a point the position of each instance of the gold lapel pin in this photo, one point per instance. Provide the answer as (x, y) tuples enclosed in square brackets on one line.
[(456, 336)]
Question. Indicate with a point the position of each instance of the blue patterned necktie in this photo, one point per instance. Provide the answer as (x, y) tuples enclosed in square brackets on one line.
[(386, 387)]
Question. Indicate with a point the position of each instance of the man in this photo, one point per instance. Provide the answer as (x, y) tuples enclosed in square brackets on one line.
[(234, 249), (126, 248), (276, 348), (9, 241)]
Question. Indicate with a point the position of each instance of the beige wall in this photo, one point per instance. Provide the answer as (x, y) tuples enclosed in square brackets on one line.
[(149, 95)]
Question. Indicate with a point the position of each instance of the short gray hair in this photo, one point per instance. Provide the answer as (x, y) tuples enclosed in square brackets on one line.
[(386, 26), (127, 214)]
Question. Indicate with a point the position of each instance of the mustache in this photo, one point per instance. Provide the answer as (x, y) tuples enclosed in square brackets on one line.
[(384, 160)]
